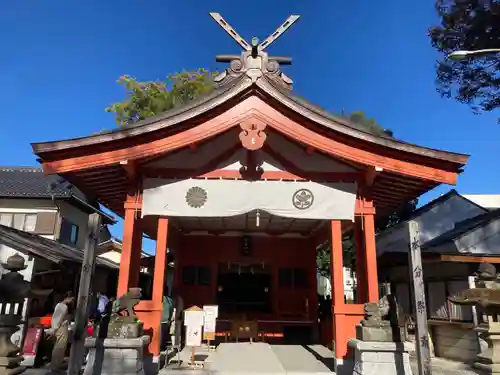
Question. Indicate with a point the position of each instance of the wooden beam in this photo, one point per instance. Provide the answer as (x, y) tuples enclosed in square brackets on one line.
[(470, 259), (83, 303), (130, 169), (418, 294), (232, 174), (370, 175)]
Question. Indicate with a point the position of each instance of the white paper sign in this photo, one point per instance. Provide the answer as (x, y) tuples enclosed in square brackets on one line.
[(211, 312), (211, 309), (194, 318), (193, 335)]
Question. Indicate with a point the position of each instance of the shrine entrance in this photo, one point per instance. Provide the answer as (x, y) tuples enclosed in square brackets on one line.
[(244, 291), (199, 178)]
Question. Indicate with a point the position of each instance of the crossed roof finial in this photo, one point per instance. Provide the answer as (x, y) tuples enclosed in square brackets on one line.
[(253, 61)]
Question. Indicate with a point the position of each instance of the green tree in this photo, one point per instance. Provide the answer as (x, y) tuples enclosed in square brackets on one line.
[(371, 125), (150, 98), (403, 213), (468, 25), (349, 256), (146, 99)]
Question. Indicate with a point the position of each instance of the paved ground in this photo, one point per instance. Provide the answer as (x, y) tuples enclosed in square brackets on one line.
[(263, 359), (288, 359)]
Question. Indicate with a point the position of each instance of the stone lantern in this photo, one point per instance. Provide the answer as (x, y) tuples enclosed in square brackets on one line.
[(13, 289), (486, 298)]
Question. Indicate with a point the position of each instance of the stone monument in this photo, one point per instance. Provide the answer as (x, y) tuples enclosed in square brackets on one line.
[(13, 290), (121, 350), (379, 346), (486, 298)]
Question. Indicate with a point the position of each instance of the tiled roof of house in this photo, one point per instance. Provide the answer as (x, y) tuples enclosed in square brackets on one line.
[(31, 182), (32, 244), (461, 229)]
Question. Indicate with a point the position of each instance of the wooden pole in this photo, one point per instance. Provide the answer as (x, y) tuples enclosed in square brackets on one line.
[(77, 353), (418, 294)]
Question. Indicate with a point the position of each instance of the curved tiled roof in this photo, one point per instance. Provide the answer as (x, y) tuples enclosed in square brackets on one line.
[(244, 86), (31, 182)]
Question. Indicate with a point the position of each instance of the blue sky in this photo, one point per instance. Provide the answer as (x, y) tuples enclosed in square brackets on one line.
[(59, 61)]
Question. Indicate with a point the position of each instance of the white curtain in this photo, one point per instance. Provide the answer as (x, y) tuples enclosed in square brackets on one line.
[(223, 198)]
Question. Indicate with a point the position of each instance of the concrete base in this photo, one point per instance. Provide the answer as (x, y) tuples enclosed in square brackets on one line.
[(377, 358), (116, 356), (11, 365)]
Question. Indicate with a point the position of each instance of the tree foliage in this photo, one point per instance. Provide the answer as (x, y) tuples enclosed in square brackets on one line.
[(468, 25), (323, 255), (403, 213), (150, 98), (371, 125)]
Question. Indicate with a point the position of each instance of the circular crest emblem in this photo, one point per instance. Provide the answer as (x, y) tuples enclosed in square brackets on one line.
[(302, 199), (196, 197)]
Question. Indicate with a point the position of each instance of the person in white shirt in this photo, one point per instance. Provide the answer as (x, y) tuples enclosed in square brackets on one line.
[(102, 303), (60, 327)]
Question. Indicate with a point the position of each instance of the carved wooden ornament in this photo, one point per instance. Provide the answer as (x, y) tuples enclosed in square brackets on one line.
[(252, 136)]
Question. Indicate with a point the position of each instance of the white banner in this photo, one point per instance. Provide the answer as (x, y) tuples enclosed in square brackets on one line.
[(224, 198)]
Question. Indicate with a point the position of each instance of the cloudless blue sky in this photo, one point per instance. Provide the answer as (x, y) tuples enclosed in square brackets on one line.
[(59, 61)]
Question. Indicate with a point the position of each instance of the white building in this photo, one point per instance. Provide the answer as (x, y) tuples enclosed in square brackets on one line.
[(488, 201)]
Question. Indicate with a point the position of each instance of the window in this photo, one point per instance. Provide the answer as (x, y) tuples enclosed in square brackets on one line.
[(26, 222), (460, 313), (293, 278), (69, 232), (192, 275), (437, 293), (6, 219)]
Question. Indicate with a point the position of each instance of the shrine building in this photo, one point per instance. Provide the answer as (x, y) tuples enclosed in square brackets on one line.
[(241, 186)]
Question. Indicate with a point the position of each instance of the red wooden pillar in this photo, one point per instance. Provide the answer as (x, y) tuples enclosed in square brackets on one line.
[(337, 280), (371, 258), (359, 244), (158, 283), (131, 251)]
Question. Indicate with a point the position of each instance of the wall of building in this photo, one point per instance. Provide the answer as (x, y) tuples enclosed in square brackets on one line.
[(454, 341), (27, 205), (77, 217), (451, 326), (489, 201), (434, 222), (271, 251), (114, 256)]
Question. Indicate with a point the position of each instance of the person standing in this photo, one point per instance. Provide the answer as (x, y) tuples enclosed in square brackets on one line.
[(177, 315), (102, 303), (60, 327), (166, 318)]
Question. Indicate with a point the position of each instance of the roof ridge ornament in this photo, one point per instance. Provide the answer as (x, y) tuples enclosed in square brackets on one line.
[(254, 62)]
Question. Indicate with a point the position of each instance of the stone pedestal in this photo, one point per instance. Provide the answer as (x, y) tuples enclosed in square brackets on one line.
[(377, 358), (121, 356), (10, 360), (384, 333), (489, 359), (11, 366)]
